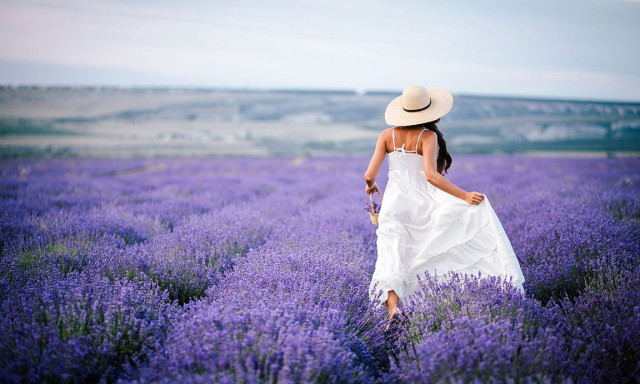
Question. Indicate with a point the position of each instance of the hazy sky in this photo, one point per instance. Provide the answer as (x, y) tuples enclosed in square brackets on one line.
[(588, 49)]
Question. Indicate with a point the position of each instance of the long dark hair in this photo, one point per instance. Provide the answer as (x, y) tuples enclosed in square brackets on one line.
[(444, 158)]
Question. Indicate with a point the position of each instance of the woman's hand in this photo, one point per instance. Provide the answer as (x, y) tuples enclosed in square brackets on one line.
[(370, 190), (474, 198)]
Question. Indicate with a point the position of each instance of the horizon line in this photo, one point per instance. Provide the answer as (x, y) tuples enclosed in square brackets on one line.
[(362, 92)]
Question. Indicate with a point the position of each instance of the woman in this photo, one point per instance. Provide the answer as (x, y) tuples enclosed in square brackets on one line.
[(426, 222)]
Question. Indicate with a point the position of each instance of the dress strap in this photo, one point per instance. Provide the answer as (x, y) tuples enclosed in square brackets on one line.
[(418, 141), (393, 137)]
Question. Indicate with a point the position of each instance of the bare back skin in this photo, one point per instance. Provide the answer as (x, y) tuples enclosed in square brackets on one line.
[(404, 135)]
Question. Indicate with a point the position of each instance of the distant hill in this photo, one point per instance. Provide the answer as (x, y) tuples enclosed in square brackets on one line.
[(148, 122)]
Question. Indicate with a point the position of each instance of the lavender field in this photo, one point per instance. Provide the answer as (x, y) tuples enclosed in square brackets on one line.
[(257, 270)]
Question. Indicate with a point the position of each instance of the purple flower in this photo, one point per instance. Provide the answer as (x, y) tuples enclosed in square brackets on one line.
[(376, 207), (241, 270)]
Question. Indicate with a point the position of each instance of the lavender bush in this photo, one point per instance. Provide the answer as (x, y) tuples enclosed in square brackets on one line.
[(80, 327), (483, 350), (257, 270)]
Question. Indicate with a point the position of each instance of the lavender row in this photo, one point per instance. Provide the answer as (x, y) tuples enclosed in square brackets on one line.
[(85, 245), (264, 275), (295, 310)]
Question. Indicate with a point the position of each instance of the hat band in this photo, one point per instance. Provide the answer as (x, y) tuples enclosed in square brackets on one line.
[(417, 110)]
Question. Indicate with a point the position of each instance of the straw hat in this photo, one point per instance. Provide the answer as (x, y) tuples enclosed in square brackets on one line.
[(418, 105)]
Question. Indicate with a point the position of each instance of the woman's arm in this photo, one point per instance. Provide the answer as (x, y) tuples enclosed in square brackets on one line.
[(439, 181), (375, 163)]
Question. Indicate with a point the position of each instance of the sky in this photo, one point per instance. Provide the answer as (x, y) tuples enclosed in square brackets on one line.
[(578, 49)]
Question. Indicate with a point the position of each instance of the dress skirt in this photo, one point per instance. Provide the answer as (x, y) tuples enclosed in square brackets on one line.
[(422, 228)]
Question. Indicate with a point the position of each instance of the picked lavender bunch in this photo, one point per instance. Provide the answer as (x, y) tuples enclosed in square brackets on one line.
[(376, 207)]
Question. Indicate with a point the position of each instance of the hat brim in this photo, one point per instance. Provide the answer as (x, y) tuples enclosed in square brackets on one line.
[(441, 103)]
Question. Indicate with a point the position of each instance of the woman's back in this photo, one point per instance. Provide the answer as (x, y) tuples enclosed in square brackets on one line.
[(409, 138), (405, 149)]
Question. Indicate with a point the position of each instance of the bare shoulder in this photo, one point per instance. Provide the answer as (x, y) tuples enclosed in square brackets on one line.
[(429, 137), (385, 135), (431, 134), (385, 140), (386, 132)]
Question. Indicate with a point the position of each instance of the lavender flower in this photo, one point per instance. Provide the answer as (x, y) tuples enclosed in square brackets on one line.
[(241, 270), (376, 207)]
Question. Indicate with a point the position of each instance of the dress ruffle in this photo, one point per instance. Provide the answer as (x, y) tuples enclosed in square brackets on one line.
[(423, 228)]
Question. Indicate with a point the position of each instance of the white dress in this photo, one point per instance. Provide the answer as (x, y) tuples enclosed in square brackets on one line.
[(422, 228)]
